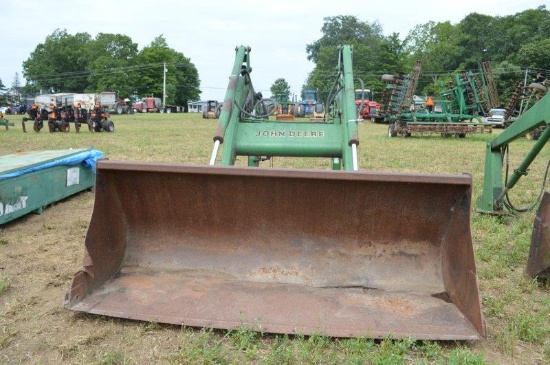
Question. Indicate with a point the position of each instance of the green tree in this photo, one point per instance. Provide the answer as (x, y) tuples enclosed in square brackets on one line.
[(344, 29), (112, 64), (78, 63), (437, 47), (367, 41), (16, 81), (534, 55), (507, 76), (280, 87), (324, 75), (392, 54), (29, 89), (483, 40), (16, 88), (59, 63), (522, 28), (3, 90), (182, 78)]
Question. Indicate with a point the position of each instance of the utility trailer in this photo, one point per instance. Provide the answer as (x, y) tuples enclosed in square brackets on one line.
[(30, 181)]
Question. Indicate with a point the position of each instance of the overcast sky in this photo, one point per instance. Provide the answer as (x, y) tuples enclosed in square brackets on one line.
[(207, 31)]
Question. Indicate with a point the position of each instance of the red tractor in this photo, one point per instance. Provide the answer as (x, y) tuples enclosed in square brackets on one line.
[(366, 107), (148, 105)]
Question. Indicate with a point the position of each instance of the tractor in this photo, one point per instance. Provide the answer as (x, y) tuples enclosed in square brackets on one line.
[(285, 108), (367, 108), (99, 121), (212, 110), (335, 251)]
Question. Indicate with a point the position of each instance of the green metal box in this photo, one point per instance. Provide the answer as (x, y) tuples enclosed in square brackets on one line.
[(29, 181)]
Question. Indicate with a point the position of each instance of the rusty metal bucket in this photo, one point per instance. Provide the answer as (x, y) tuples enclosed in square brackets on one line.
[(343, 254), (538, 264)]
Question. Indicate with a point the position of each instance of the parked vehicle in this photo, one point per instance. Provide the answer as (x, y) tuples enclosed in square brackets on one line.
[(307, 105), (367, 108), (147, 105), (112, 103), (496, 117), (172, 109), (99, 120), (213, 110)]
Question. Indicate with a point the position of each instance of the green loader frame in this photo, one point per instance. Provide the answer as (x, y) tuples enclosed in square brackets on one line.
[(245, 129)]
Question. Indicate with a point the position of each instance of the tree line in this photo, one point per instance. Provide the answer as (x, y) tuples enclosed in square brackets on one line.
[(79, 63), (513, 43)]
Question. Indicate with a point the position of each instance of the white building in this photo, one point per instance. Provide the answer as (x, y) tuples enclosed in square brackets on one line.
[(196, 106)]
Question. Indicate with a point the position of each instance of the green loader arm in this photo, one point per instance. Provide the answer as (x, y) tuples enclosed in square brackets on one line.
[(494, 189), (245, 129)]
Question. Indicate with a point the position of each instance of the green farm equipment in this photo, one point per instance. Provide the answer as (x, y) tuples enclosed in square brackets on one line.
[(457, 113), (339, 251), (5, 123), (495, 200)]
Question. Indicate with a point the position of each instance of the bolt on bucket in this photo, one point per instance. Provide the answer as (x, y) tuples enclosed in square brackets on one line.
[(343, 254), (538, 264)]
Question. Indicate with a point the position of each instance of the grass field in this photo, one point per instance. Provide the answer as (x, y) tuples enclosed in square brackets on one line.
[(40, 253)]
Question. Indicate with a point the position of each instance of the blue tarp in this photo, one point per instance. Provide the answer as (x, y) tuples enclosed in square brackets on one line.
[(87, 158)]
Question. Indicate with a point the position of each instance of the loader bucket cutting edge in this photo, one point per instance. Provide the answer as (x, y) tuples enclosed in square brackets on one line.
[(538, 264), (343, 254)]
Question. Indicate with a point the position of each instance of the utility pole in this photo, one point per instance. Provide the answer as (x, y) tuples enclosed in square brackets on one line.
[(524, 86), (164, 87)]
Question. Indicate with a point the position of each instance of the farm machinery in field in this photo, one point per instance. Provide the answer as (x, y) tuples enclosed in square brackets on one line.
[(367, 108), (59, 119), (55, 118), (6, 123), (457, 113), (285, 109), (335, 251), (99, 120), (212, 110), (522, 98), (319, 112), (495, 199), (306, 107), (37, 116)]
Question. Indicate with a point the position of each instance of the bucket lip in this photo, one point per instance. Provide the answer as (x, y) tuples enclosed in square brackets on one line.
[(362, 175)]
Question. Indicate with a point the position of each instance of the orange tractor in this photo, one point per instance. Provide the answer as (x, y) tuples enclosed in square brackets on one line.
[(367, 108)]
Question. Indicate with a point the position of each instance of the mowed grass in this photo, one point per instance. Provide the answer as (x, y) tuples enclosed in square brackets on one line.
[(517, 309)]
